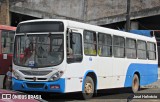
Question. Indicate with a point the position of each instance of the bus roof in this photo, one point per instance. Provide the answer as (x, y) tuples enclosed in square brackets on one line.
[(5, 27), (80, 25)]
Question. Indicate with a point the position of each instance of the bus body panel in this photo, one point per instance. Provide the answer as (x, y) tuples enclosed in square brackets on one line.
[(5, 62), (148, 73), (110, 72), (74, 71), (5, 57), (39, 86), (73, 78), (73, 84), (104, 72)]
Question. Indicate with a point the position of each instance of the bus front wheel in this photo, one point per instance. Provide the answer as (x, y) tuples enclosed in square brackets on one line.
[(88, 88), (135, 83)]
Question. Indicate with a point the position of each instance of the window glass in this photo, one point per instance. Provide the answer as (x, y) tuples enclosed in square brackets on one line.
[(104, 45), (7, 41), (118, 43), (77, 44), (89, 37), (89, 49), (130, 43), (118, 52), (75, 51), (100, 39), (130, 53), (130, 48), (152, 55), (39, 50), (141, 54), (107, 40), (90, 44), (151, 47), (141, 49), (141, 45)]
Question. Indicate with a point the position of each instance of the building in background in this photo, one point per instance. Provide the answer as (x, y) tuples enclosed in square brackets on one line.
[(107, 13)]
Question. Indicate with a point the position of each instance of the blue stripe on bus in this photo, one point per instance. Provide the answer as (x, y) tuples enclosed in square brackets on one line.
[(148, 73), (17, 85)]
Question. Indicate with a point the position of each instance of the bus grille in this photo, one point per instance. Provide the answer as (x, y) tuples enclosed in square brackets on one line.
[(30, 85), (32, 79), (35, 73)]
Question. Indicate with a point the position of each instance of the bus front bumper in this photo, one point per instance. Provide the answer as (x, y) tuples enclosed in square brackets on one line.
[(55, 86)]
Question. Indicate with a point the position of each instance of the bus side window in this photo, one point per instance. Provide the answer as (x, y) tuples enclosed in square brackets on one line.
[(118, 46), (141, 49), (90, 43), (131, 48), (151, 50), (104, 45), (74, 53)]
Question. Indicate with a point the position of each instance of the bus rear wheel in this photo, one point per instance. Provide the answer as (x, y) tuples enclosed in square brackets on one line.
[(88, 88), (135, 83)]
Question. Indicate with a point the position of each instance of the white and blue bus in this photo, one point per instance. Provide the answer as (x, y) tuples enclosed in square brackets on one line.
[(53, 55)]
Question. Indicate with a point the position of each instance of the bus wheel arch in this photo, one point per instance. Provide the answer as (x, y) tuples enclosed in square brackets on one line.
[(136, 82), (90, 80)]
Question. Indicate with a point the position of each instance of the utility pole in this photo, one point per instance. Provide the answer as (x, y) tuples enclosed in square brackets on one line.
[(128, 16), (85, 2)]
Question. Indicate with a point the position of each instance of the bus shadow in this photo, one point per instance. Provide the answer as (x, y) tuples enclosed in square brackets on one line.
[(118, 93)]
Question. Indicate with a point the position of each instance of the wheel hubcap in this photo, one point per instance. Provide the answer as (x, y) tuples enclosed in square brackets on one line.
[(88, 88), (135, 83)]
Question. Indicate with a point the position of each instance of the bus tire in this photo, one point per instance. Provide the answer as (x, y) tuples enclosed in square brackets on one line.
[(135, 83), (88, 88)]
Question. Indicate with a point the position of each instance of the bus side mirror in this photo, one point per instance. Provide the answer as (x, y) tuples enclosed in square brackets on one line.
[(69, 41), (69, 37)]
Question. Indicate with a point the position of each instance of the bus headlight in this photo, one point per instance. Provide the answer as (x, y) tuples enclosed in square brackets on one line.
[(16, 75), (56, 76)]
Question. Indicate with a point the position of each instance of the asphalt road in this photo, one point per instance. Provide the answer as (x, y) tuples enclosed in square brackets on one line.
[(149, 93)]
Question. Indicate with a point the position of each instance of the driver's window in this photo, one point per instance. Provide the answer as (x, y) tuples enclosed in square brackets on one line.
[(74, 53)]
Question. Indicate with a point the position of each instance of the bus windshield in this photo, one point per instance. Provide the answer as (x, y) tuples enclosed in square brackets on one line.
[(38, 50)]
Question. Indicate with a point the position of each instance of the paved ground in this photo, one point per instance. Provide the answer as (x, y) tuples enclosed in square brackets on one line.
[(112, 95)]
